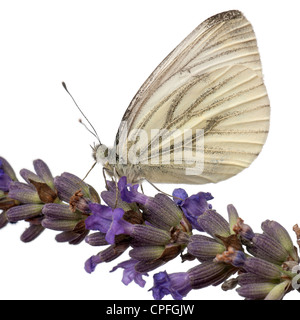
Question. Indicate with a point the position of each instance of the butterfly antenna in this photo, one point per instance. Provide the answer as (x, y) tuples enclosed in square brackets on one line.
[(90, 131), (95, 134)]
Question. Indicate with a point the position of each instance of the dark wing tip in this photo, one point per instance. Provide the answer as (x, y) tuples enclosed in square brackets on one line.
[(223, 16)]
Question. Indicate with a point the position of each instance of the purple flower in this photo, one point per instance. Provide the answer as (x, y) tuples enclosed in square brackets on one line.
[(108, 221), (4, 181), (179, 195), (129, 192), (29, 197), (91, 264), (6, 175), (111, 197), (118, 226), (107, 255), (130, 274), (101, 218), (176, 284), (193, 206)]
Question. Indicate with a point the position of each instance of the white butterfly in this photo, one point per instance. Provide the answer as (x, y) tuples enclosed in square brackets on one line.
[(210, 83)]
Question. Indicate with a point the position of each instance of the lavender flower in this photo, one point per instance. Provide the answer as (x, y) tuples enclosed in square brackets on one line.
[(222, 255), (193, 206), (7, 175), (269, 274), (155, 227), (130, 274), (32, 196), (154, 230), (45, 202), (176, 284), (70, 216), (5, 178)]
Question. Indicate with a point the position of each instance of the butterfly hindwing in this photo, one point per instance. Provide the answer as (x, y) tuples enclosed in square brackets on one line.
[(212, 81)]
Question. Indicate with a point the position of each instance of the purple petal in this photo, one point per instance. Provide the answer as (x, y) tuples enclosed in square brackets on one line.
[(5, 181), (194, 206), (91, 263), (107, 255), (238, 260), (101, 218), (181, 194), (130, 274), (176, 284), (131, 195), (118, 226)]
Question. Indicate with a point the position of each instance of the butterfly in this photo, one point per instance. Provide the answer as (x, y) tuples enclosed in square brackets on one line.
[(210, 85)]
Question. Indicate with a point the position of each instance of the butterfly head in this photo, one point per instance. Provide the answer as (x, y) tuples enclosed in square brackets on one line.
[(100, 153)]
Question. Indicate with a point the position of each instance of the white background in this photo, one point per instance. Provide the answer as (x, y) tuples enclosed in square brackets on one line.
[(104, 50)]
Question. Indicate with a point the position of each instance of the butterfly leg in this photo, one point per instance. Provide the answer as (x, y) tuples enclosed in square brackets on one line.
[(117, 188), (90, 170), (104, 175), (155, 187)]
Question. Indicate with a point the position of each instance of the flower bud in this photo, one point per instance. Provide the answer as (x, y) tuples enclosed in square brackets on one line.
[(256, 291), (278, 233), (146, 253), (204, 248), (214, 224), (278, 292), (262, 268), (24, 212), (271, 247)]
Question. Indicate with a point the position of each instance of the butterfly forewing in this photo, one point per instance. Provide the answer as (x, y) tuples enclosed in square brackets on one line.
[(211, 81)]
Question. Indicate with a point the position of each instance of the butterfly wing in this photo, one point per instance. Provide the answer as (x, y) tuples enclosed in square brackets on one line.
[(211, 81)]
